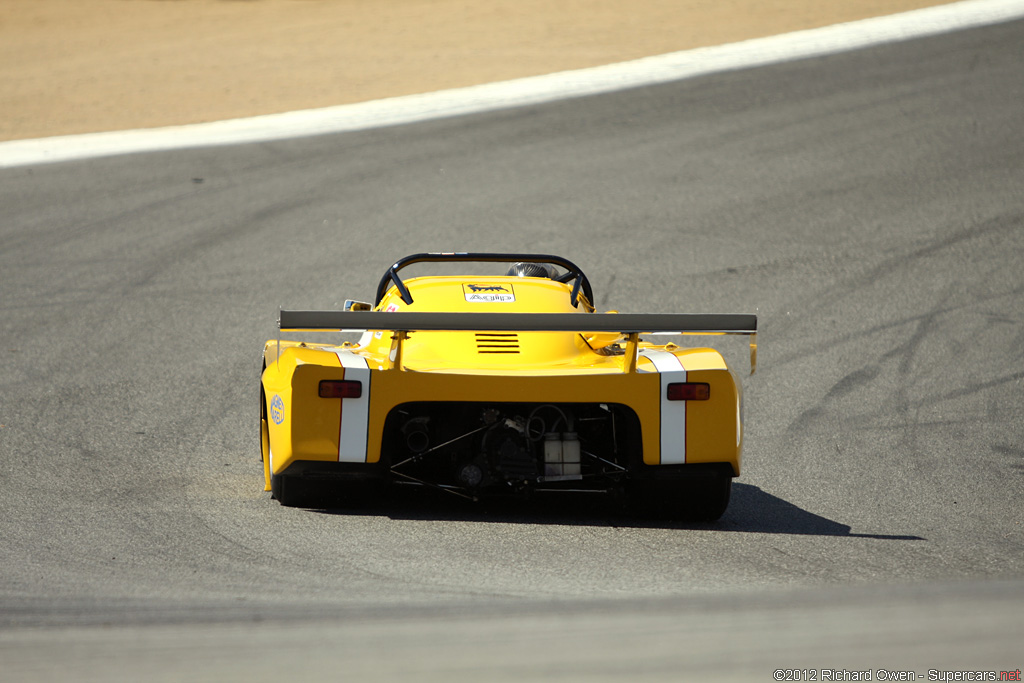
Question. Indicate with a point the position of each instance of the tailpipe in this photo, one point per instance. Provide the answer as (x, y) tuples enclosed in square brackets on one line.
[(417, 434)]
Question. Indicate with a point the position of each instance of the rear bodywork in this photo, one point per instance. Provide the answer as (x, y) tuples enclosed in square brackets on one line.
[(496, 385)]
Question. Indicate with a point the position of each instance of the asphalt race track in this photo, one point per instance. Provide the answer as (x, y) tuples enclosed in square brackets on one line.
[(869, 207)]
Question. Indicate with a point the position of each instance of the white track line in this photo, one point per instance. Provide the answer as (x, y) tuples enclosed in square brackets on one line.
[(524, 91)]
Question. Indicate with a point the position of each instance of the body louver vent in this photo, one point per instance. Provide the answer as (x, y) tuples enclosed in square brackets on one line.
[(497, 342)]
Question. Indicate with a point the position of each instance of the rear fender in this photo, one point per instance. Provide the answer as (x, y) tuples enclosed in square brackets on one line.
[(300, 424)]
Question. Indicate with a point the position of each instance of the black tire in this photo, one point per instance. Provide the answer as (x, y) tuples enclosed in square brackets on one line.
[(702, 499), (708, 500), (297, 490), (290, 491)]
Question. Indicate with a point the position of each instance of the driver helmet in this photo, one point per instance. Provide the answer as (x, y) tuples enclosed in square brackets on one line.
[(521, 269)]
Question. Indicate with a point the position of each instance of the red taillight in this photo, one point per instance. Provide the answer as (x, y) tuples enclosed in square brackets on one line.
[(340, 388), (689, 391)]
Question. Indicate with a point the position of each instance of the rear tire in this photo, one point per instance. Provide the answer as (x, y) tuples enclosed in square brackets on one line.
[(303, 490), (702, 499), (707, 501), (289, 491)]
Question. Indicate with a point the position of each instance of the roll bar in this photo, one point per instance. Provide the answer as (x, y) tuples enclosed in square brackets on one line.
[(573, 272)]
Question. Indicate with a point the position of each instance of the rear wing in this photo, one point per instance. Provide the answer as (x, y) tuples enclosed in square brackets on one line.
[(629, 324)]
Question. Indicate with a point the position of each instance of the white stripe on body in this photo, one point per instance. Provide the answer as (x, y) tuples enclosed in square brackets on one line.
[(355, 412), (673, 413)]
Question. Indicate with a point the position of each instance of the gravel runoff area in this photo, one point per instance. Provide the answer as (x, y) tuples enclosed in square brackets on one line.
[(81, 66)]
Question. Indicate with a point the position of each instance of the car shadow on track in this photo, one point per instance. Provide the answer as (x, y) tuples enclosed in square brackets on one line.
[(751, 510)]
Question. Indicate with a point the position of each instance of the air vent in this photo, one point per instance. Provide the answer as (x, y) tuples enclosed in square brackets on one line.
[(497, 342)]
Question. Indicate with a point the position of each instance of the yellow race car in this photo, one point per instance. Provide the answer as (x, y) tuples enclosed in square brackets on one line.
[(511, 384)]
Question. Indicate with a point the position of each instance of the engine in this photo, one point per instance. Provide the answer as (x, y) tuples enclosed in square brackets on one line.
[(476, 449)]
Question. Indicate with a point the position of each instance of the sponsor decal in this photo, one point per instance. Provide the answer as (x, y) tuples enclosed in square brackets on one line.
[(392, 307), (489, 293), (277, 409)]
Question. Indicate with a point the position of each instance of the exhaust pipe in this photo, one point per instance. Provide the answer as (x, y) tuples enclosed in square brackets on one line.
[(417, 435)]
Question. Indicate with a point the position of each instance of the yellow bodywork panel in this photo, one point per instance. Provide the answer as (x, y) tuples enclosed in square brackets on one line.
[(481, 350), (309, 427), (713, 430), (302, 426)]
